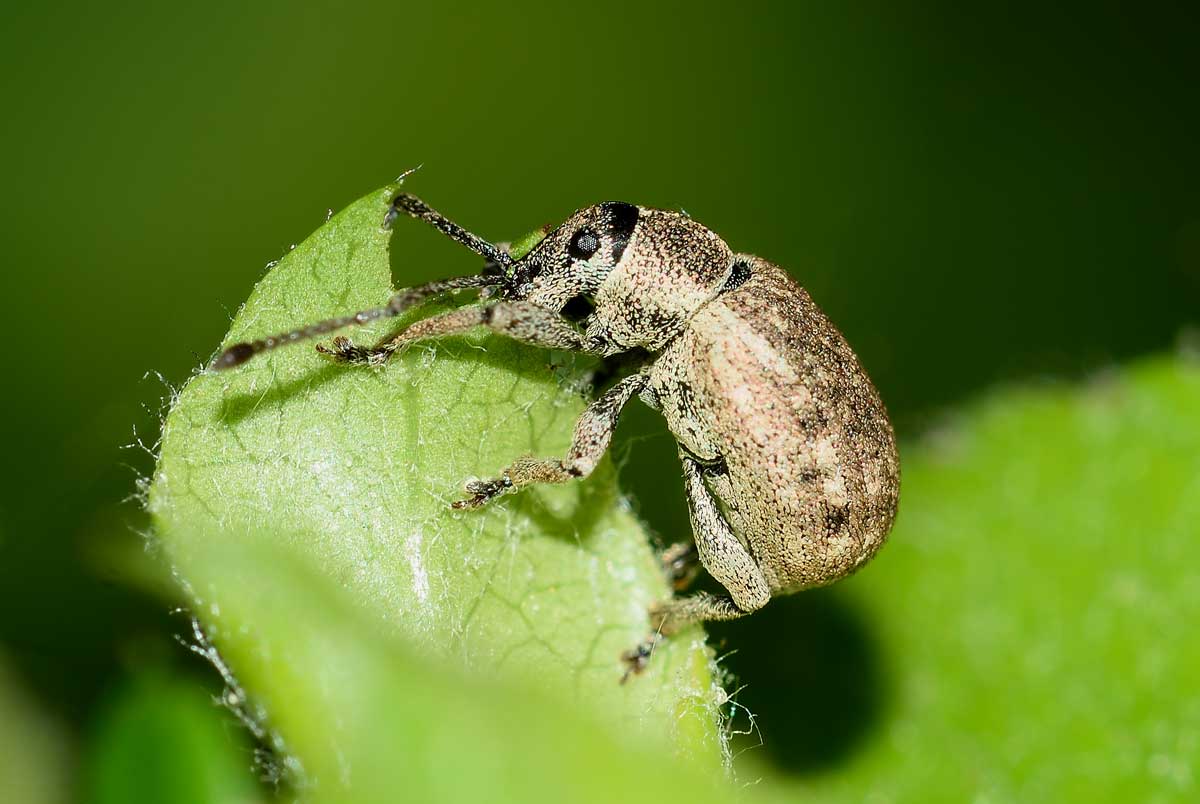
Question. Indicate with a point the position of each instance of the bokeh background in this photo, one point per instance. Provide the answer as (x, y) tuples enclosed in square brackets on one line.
[(977, 195)]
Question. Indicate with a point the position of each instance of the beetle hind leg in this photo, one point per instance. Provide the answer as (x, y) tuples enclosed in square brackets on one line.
[(727, 561), (677, 613), (723, 555)]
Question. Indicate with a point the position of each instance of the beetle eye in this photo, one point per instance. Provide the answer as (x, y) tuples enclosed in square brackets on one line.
[(584, 244)]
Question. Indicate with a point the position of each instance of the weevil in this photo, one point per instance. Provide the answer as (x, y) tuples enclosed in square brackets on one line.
[(789, 460)]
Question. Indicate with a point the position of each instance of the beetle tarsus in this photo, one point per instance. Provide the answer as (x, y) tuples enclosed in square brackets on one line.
[(638, 658), (343, 350), (483, 492)]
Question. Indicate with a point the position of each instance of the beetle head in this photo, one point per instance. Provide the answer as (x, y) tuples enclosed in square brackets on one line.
[(632, 276), (574, 259)]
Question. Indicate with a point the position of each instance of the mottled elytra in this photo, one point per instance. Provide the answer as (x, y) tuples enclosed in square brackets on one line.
[(789, 460)]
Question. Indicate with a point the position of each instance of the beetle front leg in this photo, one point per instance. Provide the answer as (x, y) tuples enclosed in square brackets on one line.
[(520, 320), (593, 434)]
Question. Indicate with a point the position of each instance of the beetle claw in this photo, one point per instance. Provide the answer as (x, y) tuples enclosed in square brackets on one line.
[(343, 350), (482, 492), (470, 502), (638, 658)]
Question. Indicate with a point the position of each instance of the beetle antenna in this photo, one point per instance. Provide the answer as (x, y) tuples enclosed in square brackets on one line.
[(239, 353), (411, 205), (493, 274)]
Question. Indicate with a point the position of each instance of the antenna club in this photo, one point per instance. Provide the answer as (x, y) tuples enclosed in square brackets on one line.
[(235, 355)]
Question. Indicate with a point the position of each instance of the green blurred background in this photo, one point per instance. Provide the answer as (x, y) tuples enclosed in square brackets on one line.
[(975, 195)]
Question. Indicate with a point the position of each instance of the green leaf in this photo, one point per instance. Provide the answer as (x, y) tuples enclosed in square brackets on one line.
[(164, 740), (1034, 613), (355, 469), (381, 723)]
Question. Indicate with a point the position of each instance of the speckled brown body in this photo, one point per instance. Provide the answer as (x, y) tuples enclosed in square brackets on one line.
[(789, 462), (765, 392)]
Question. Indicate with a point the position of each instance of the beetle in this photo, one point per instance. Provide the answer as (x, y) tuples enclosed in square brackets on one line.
[(789, 460)]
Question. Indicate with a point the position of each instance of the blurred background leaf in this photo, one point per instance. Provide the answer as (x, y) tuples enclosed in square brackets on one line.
[(163, 740), (35, 761)]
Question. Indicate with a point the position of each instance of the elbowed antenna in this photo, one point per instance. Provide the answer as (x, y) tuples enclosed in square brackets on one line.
[(493, 275), (417, 208)]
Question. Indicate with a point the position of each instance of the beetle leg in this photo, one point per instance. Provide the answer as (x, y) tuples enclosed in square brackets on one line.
[(593, 433), (519, 320), (238, 353), (723, 555), (674, 614), (726, 560)]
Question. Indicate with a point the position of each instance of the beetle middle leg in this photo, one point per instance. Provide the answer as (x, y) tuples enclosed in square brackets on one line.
[(593, 434)]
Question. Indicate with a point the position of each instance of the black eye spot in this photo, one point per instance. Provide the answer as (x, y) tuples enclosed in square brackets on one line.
[(622, 219), (737, 277), (577, 308), (584, 244)]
